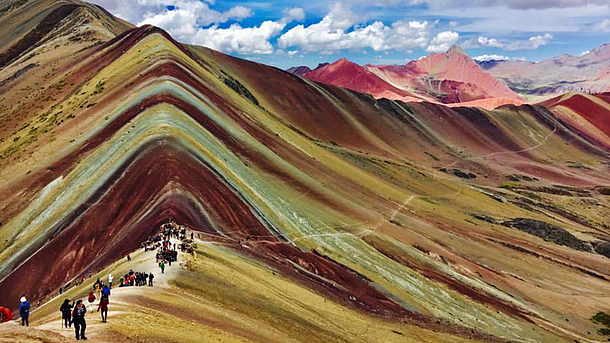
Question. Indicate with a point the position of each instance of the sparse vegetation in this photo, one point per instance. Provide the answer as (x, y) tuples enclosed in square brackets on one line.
[(99, 87)]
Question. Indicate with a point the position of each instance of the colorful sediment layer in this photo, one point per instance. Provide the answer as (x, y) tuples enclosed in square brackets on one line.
[(463, 221)]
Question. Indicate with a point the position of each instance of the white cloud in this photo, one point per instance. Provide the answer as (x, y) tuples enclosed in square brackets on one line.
[(513, 4), (453, 23), (531, 43), (492, 57), (443, 41), (241, 40), (339, 30), (293, 52), (603, 26), (183, 12), (295, 13), (585, 52)]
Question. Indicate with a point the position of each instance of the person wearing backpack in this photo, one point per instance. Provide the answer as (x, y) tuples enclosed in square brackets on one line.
[(24, 311), (91, 300), (66, 309), (150, 279), (105, 291), (78, 318)]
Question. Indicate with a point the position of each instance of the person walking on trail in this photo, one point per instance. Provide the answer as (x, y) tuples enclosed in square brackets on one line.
[(24, 311), (110, 279), (105, 291), (162, 266), (66, 309), (128, 257), (150, 279), (91, 300), (103, 306), (97, 288), (78, 318)]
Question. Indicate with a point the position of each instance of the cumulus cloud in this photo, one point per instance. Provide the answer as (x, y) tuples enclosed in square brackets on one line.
[(531, 43), (237, 39), (443, 41), (295, 13), (173, 13), (340, 30)]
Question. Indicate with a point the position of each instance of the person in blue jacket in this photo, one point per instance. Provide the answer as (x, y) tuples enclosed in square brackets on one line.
[(24, 311)]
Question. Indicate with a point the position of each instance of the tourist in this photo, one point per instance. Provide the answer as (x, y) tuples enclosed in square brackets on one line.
[(104, 307), (162, 266), (97, 287), (78, 318), (128, 257), (66, 309), (5, 314), (91, 300), (106, 291), (150, 279), (110, 279), (24, 312)]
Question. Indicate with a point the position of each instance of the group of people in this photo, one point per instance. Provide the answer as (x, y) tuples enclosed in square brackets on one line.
[(74, 313), (137, 279)]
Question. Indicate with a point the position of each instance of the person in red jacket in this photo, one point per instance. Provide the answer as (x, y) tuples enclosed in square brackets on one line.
[(5, 314), (104, 307), (91, 300)]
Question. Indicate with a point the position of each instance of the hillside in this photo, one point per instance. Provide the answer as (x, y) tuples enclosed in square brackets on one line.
[(326, 215)]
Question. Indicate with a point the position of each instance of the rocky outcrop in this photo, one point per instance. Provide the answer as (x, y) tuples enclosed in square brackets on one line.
[(549, 233)]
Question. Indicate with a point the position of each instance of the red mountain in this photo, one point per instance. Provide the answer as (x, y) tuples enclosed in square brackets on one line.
[(451, 77), (358, 78)]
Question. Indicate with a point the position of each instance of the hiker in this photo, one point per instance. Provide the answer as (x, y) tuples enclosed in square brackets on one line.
[(66, 309), (128, 257), (162, 266), (91, 300), (24, 312), (150, 279), (104, 307), (61, 290), (5, 314), (97, 288), (78, 318), (105, 291), (110, 279)]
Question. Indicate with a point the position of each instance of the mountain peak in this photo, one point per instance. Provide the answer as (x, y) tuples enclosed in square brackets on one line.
[(456, 50)]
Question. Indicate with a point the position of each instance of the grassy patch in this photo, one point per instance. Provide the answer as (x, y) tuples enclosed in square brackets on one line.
[(510, 185), (428, 200)]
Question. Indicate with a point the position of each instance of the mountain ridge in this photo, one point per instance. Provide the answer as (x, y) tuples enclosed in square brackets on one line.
[(315, 201)]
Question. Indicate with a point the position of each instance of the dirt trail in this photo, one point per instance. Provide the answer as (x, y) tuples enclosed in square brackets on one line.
[(120, 298)]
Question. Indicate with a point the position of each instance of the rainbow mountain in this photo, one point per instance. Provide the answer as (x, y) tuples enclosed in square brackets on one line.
[(328, 215)]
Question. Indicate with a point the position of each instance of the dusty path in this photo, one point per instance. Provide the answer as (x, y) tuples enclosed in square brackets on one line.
[(120, 298)]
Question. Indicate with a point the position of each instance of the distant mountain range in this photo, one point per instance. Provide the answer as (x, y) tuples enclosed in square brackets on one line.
[(454, 77), (588, 73)]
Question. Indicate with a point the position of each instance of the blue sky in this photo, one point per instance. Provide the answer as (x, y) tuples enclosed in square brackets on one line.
[(287, 33)]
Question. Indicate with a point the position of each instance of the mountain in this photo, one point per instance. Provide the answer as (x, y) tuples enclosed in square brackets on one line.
[(551, 77), (319, 214), (352, 76), (451, 77), (299, 71)]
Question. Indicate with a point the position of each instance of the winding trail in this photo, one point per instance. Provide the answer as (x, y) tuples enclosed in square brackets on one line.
[(120, 298)]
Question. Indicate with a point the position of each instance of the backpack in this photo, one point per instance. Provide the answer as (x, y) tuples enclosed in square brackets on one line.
[(91, 298)]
